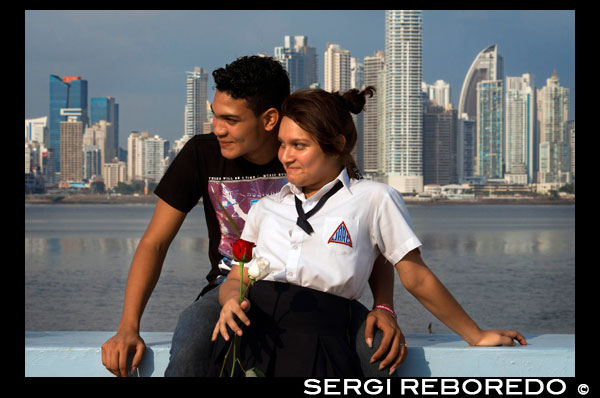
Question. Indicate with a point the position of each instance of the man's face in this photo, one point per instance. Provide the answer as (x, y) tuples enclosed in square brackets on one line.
[(239, 131)]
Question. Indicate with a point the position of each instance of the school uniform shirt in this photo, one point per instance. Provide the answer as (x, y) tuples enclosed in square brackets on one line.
[(360, 221)]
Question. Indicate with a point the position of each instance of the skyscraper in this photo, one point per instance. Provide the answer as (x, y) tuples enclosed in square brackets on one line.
[(195, 106), (488, 65), (299, 60), (489, 153), (403, 113), (105, 108), (336, 75), (371, 153), (71, 150), (552, 112), (520, 130), (69, 92)]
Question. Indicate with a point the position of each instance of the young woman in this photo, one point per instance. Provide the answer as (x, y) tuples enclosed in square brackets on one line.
[(321, 234)]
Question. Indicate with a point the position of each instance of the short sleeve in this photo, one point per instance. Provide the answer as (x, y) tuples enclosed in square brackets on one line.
[(181, 185), (250, 232), (393, 231)]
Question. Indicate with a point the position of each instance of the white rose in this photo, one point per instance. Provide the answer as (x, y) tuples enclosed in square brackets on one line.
[(258, 268)]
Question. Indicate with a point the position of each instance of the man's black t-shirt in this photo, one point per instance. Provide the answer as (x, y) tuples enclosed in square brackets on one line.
[(228, 188)]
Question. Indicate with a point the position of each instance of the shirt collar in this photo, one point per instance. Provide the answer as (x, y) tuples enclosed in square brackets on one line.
[(291, 189)]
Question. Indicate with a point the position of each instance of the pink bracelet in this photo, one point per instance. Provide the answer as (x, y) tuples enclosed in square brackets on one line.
[(385, 308)]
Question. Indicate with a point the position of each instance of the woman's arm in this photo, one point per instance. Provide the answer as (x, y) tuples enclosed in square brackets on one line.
[(418, 279), (229, 298)]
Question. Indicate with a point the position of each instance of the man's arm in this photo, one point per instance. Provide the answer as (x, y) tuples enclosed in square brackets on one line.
[(143, 275), (381, 283)]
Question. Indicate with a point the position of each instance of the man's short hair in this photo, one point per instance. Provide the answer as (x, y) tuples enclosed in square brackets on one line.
[(261, 81)]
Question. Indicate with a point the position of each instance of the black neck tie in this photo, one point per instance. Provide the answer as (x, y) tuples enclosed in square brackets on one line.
[(302, 220)]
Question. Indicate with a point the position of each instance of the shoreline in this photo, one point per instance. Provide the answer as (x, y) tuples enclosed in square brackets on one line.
[(69, 199)]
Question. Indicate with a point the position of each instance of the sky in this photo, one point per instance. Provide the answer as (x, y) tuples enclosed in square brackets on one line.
[(140, 57)]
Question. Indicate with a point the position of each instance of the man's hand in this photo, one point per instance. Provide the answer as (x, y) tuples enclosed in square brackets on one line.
[(392, 343), (116, 349)]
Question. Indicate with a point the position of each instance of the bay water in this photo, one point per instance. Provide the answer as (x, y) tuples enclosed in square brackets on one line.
[(509, 266)]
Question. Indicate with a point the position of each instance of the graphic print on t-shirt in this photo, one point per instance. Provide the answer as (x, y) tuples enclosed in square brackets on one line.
[(232, 199)]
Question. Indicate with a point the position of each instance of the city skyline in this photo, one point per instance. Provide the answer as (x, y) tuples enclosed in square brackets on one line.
[(141, 57)]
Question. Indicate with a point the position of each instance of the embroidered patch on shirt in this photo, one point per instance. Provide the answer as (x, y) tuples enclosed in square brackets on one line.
[(341, 235)]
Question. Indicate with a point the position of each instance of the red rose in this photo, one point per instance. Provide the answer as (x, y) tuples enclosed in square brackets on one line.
[(242, 250)]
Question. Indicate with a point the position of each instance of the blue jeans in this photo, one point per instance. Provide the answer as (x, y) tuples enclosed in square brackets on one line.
[(191, 346)]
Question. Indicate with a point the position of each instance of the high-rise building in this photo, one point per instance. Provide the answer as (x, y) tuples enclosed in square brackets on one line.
[(553, 112), (195, 106), (520, 130), (488, 65), (336, 68), (403, 109), (299, 60), (489, 154), (438, 93), (37, 130), (439, 145), (105, 108), (373, 66), (71, 150), (69, 92), (465, 149), (154, 159)]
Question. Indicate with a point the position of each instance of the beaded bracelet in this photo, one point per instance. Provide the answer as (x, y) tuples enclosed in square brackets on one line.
[(385, 308)]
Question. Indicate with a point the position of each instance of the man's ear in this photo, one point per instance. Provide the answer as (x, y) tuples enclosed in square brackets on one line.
[(340, 142), (270, 118)]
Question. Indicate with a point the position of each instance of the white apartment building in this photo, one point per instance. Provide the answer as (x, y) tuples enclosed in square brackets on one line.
[(336, 68), (403, 163)]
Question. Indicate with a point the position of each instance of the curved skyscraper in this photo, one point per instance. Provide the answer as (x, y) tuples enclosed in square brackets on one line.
[(488, 65)]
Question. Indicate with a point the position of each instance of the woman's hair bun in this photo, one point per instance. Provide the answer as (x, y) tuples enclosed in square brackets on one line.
[(354, 100)]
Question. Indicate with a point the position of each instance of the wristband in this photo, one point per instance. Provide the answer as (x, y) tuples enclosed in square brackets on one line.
[(385, 308)]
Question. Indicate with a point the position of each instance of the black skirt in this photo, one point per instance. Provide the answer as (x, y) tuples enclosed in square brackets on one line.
[(294, 331)]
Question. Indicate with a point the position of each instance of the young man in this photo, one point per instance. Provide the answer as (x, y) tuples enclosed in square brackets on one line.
[(229, 170)]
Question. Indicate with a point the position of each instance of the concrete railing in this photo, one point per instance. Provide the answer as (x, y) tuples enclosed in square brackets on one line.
[(72, 354)]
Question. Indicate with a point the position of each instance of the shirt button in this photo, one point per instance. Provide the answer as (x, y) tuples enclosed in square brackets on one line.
[(294, 246)]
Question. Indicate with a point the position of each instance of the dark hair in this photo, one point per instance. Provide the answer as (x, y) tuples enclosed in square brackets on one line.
[(325, 116), (261, 81)]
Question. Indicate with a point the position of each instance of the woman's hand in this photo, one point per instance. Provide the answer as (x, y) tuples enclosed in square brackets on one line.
[(230, 310), (495, 337)]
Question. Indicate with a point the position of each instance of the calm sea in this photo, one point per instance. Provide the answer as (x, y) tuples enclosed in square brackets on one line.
[(510, 266)]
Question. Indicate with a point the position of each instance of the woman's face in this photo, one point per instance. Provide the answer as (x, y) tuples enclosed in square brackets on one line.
[(306, 165)]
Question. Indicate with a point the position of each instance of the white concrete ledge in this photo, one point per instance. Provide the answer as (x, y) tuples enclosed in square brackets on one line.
[(78, 354)]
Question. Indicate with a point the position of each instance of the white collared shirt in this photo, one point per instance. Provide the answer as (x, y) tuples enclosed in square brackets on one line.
[(356, 224)]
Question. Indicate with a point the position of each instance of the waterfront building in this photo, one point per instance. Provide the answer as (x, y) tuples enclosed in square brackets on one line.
[(135, 156), (488, 65), (336, 68), (37, 130), (299, 60), (571, 134), (489, 150), (403, 162), (101, 134), (92, 161), (154, 158), (439, 145), (65, 92), (71, 150), (520, 130), (552, 112), (113, 173), (465, 149), (106, 108), (196, 97), (373, 65)]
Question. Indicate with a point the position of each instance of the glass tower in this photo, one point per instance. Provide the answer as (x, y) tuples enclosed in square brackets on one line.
[(65, 93), (105, 108)]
